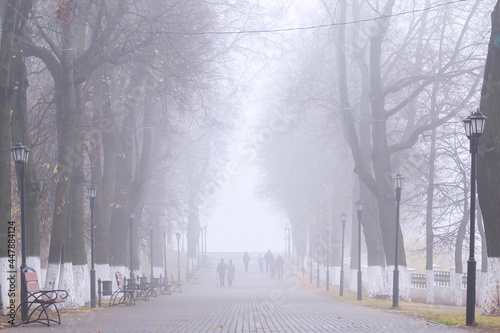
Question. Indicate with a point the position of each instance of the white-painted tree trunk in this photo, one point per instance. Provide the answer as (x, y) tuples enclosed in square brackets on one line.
[(103, 272), (429, 286), (335, 276), (4, 268), (34, 262), (52, 277), (157, 270), (404, 282), (66, 282), (353, 280), (377, 281), (491, 288), (81, 275), (483, 283)]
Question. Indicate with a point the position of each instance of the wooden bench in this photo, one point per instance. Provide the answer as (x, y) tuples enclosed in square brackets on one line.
[(165, 286), (176, 285), (145, 288), (37, 301), (124, 294)]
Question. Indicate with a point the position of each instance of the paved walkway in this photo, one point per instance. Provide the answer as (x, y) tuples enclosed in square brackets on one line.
[(255, 304)]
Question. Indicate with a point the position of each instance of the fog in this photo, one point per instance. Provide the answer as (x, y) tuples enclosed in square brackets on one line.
[(241, 221), (248, 118)]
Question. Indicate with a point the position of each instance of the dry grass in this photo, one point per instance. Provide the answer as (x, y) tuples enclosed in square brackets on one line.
[(448, 315)]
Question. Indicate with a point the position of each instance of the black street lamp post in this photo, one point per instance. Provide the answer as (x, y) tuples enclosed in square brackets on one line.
[(92, 194), (359, 209), (474, 127), (21, 154), (132, 217), (151, 230), (398, 184), (329, 229), (343, 218), (165, 250), (178, 236)]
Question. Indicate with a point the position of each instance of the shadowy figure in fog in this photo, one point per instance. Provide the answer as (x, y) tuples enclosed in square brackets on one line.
[(230, 273), (221, 269), (272, 265), (261, 262), (267, 258), (246, 260), (279, 266)]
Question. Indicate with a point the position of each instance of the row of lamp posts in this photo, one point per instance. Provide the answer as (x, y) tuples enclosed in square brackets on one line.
[(398, 182), (474, 127), (92, 194)]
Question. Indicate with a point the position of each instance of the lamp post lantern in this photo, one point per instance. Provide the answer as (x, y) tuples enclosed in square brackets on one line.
[(92, 195), (178, 236), (21, 154), (329, 229), (343, 218), (151, 230), (474, 127), (398, 185), (165, 251), (132, 217), (359, 209)]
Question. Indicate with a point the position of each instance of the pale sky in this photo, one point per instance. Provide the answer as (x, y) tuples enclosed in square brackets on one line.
[(241, 222)]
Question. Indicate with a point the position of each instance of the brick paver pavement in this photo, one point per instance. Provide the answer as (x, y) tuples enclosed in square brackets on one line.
[(255, 304)]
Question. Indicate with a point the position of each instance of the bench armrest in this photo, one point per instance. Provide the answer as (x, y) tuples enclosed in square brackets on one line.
[(49, 294)]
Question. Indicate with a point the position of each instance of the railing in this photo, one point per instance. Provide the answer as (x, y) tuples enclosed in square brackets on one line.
[(418, 280), (441, 279)]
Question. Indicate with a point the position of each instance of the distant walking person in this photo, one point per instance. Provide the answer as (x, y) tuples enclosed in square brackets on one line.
[(267, 258), (261, 262), (230, 273), (221, 269), (246, 260), (272, 266), (279, 267)]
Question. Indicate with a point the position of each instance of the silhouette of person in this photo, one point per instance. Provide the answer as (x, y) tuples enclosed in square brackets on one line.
[(261, 262), (279, 266), (267, 258), (221, 269), (230, 273), (272, 265), (246, 260)]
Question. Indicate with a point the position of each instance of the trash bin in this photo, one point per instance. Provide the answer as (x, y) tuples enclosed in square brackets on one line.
[(107, 288)]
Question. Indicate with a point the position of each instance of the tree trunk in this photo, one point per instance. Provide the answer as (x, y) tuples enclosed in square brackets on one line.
[(6, 53), (66, 131), (122, 203), (488, 164), (110, 141)]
